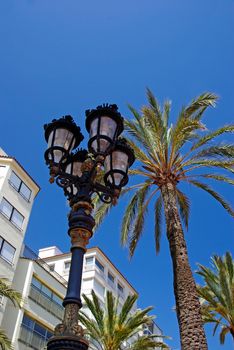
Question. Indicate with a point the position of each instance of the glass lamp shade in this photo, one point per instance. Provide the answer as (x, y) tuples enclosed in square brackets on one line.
[(117, 164), (104, 125), (62, 136), (73, 168)]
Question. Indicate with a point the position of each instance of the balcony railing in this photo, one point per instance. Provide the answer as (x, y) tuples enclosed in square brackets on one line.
[(47, 303), (33, 339), (26, 252)]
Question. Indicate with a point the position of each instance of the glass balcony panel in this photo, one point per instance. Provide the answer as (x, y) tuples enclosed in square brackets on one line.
[(32, 339), (47, 303)]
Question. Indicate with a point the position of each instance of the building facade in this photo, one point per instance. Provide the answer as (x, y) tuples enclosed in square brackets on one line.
[(99, 273), (17, 193), (32, 325)]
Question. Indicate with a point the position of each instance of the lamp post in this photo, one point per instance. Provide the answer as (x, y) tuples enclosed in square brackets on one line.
[(107, 159)]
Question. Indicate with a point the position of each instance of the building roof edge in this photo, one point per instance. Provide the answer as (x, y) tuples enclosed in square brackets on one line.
[(21, 166)]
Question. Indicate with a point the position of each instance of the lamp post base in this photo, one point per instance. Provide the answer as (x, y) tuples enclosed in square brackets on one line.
[(67, 343)]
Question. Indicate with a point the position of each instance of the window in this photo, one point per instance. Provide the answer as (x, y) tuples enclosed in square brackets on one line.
[(20, 186), (67, 264), (11, 213), (33, 334), (89, 260), (120, 288), (111, 278), (7, 251), (99, 265), (45, 297)]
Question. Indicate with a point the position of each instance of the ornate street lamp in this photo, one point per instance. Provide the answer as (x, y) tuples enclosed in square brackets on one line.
[(77, 173)]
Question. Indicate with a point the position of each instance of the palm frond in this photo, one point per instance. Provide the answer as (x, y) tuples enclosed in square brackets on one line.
[(229, 264), (118, 327), (158, 223), (166, 113), (92, 327), (138, 224), (101, 210), (133, 130), (223, 334), (95, 307), (154, 104), (184, 131), (140, 317), (111, 313), (126, 308), (217, 294), (130, 213), (139, 154), (203, 101), (5, 343), (138, 129), (217, 325), (8, 292), (154, 130), (225, 150), (225, 286), (198, 163), (214, 194), (210, 136), (148, 343), (217, 177)]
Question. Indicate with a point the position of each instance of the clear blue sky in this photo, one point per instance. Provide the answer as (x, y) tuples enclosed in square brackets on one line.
[(61, 57)]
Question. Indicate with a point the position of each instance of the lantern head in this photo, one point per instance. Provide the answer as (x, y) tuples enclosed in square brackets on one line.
[(104, 125), (117, 164)]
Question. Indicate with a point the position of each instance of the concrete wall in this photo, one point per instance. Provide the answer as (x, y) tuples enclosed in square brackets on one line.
[(8, 231)]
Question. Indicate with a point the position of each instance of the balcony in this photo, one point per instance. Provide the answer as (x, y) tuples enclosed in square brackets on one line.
[(26, 252), (47, 303), (96, 269), (31, 339)]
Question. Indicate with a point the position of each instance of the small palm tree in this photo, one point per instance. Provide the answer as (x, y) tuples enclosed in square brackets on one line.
[(15, 298), (217, 295), (168, 155), (111, 329)]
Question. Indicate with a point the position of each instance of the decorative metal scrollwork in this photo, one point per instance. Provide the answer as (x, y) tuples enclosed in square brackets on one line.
[(105, 197), (63, 182)]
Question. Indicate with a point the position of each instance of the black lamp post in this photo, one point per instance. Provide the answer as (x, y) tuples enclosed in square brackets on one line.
[(77, 174)]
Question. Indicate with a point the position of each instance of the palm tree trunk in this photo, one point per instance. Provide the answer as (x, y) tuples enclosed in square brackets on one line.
[(192, 335)]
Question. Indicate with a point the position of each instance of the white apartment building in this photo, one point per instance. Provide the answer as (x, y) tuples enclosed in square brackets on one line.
[(31, 326), (17, 193), (99, 273)]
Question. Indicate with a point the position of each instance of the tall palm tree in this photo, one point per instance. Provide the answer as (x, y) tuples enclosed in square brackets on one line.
[(167, 155), (217, 295), (15, 298), (110, 328)]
